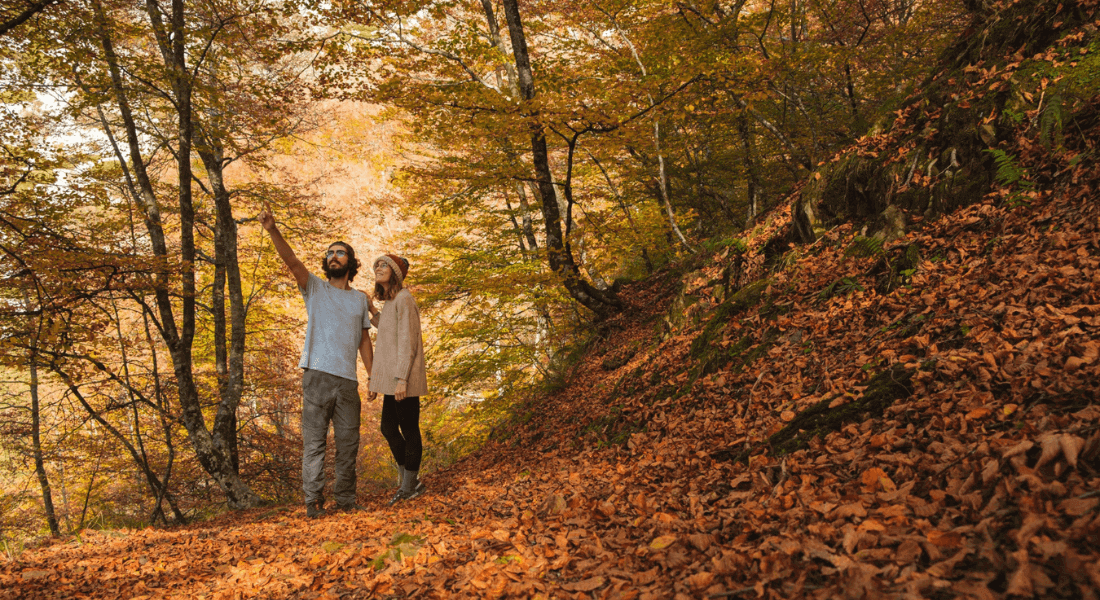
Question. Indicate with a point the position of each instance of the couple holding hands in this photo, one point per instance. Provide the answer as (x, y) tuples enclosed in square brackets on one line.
[(340, 319)]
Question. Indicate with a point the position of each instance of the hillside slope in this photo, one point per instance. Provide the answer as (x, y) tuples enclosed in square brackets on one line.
[(915, 418), (650, 474)]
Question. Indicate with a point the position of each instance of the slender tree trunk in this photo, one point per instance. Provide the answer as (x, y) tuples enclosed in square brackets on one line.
[(662, 177), (525, 215), (523, 249), (560, 258), (509, 84), (36, 423), (88, 495), (752, 194), (850, 89), (662, 186), (36, 437), (626, 212), (157, 513), (511, 79), (231, 376)]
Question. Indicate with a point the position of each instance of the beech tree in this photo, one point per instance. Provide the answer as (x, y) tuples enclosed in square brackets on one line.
[(170, 86)]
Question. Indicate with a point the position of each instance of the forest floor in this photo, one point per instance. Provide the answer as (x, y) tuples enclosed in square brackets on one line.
[(958, 456)]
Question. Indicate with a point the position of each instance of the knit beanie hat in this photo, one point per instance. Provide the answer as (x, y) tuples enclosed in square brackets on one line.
[(397, 264)]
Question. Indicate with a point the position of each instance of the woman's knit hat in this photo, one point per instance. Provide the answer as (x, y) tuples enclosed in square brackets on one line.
[(397, 264)]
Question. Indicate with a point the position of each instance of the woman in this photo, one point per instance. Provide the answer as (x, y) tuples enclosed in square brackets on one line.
[(398, 372)]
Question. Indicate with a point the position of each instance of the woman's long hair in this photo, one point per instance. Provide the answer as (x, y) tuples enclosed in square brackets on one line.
[(380, 291)]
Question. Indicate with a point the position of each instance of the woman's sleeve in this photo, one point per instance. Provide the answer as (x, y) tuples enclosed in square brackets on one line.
[(408, 326)]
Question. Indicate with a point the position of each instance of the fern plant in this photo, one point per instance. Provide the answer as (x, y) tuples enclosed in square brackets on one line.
[(866, 247), (1050, 122), (1011, 175), (840, 287)]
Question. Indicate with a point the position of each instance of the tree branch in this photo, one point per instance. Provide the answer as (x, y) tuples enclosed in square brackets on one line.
[(21, 18)]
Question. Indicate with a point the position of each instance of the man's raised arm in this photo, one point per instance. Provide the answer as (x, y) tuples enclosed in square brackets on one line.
[(301, 273)]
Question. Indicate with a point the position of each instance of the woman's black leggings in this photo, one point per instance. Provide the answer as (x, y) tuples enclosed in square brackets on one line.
[(401, 428)]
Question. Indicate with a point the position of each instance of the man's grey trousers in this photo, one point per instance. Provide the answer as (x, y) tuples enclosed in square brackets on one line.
[(328, 398)]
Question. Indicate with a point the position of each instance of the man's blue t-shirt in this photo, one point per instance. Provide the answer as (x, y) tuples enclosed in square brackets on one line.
[(337, 319)]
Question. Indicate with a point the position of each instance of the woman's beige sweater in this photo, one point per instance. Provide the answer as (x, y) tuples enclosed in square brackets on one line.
[(399, 349)]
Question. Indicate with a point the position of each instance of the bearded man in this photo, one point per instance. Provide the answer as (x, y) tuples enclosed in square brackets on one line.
[(338, 327)]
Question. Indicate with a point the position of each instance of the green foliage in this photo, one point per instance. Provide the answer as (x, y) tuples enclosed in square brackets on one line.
[(1011, 175), (400, 546), (840, 287), (1051, 122), (1016, 118), (12, 549), (865, 247), (735, 245), (1075, 75), (1008, 171)]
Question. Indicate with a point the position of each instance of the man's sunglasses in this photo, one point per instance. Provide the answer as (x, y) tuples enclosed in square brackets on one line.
[(332, 253)]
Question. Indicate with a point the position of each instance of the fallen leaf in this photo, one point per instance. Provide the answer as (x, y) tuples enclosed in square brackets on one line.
[(700, 580), (1073, 363), (662, 542), (605, 508), (871, 525), (945, 539), (871, 478), (908, 551), (1020, 583), (1052, 449), (978, 413), (1075, 507), (332, 547), (584, 585), (854, 509), (1071, 446), (701, 541), (1020, 448), (554, 505)]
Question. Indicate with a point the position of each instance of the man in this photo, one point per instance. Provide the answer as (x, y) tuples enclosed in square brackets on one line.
[(339, 321)]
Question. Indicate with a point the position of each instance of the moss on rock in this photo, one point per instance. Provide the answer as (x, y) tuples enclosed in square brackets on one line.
[(883, 389), (737, 303)]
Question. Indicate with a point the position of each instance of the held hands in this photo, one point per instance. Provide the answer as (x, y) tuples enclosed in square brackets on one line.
[(374, 312)]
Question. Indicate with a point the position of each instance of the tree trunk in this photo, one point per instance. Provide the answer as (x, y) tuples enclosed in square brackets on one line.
[(752, 194), (662, 186), (179, 339), (141, 456), (36, 431), (231, 376), (560, 258), (662, 181)]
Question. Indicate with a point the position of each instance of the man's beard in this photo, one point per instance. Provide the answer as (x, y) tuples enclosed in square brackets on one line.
[(336, 272)]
